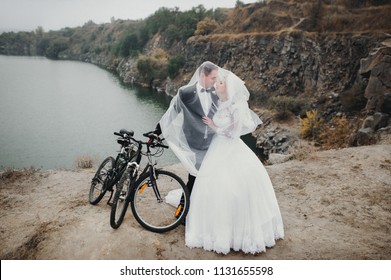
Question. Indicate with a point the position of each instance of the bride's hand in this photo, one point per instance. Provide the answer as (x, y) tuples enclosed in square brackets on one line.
[(209, 122)]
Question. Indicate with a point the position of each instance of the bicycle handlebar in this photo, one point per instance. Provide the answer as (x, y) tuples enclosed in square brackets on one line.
[(148, 135)]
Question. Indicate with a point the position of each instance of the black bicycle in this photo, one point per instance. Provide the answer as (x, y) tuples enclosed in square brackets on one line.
[(158, 198), (111, 170)]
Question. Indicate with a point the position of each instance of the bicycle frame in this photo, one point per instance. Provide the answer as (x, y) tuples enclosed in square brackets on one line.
[(150, 167)]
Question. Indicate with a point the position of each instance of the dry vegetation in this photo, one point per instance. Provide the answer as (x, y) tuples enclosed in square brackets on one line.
[(312, 16)]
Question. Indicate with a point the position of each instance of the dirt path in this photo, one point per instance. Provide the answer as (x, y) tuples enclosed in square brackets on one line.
[(335, 205)]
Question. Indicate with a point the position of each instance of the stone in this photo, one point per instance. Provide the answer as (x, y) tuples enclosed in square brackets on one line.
[(365, 136), (380, 120), (275, 158)]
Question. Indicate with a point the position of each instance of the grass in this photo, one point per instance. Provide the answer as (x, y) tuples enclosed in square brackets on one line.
[(10, 174), (85, 162)]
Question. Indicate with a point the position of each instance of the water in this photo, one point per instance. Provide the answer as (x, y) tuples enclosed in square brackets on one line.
[(52, 112)]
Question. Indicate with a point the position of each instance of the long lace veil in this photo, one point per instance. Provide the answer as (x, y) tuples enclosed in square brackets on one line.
[(184, 118)]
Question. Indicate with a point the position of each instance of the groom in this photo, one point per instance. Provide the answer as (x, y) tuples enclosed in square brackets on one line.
[(197, 101)]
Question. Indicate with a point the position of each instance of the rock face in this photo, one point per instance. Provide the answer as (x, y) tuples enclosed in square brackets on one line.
[(287, 63), (320, 68), (377, 69)]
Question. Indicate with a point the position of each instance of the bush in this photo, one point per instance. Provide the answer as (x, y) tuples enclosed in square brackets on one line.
[(337, 134), (153, 67), (56, 46), (287, 106), (42, 46), (311, 126), (258, 98), (206, 26), (128, 45), (174, 64), (85, 162)]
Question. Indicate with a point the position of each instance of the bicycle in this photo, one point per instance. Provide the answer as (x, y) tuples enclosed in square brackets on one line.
[(111, 170), (149, 192)]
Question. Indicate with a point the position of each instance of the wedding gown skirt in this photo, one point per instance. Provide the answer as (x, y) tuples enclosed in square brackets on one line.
[(233, 204)]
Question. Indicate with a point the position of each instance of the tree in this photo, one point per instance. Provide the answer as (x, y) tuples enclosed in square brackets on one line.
[(128, 45), (56, 46), (174, 64), (39, 31)]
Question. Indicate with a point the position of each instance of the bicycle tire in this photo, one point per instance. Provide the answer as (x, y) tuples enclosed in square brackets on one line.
[(121, 200), (98, 185), (159, 216)]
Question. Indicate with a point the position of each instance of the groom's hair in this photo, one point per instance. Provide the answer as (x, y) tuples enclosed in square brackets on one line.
[(207, 67)]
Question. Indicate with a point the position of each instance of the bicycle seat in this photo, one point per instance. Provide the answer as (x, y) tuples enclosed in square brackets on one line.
[(128, 133)]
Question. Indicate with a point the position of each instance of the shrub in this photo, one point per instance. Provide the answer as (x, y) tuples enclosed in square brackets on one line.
[(337, 133), (128, 45), (56, 46), (84, 162), (285, 106), (239, 4), (258, 98), (174, 64), (311, 126), (85, 48), (206, 26), (42, 46), (153, 67)]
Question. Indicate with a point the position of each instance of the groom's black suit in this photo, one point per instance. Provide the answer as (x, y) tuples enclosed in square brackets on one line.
[(198, 135)]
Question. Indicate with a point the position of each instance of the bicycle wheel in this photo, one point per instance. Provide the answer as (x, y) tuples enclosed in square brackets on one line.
[(120, 200), (98, 185), (160, 208)]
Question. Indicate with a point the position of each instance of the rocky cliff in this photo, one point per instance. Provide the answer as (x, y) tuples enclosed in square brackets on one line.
[(325, 55), (337, 74)]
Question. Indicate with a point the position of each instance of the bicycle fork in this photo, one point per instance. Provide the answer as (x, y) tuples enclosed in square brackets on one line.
[(154, 185)]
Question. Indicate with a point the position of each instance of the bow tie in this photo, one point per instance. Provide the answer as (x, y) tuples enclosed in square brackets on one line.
[(207, 90)]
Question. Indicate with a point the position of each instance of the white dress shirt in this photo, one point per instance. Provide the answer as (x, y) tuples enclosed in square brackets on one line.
[(204, 99)]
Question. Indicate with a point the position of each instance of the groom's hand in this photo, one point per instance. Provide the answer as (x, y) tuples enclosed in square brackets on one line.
[(153, 138)]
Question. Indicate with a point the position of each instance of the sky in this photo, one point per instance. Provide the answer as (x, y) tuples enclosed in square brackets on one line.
[(27, 15)]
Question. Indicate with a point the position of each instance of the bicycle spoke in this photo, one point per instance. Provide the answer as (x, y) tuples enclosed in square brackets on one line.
[(121, 200), (155, 205), (98, 188)]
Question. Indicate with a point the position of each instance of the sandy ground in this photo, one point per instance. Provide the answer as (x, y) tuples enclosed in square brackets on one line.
[(335, 204)]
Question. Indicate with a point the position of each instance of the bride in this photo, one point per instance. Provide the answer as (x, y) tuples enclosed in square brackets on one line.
[(233, 204)]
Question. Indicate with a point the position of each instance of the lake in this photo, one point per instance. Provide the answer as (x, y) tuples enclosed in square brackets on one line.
[(52, 112)]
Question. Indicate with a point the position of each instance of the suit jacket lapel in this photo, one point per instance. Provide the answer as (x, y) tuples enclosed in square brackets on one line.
[(213, 107)]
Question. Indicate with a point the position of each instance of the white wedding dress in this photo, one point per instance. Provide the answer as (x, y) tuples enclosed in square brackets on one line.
[(233, 204)]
